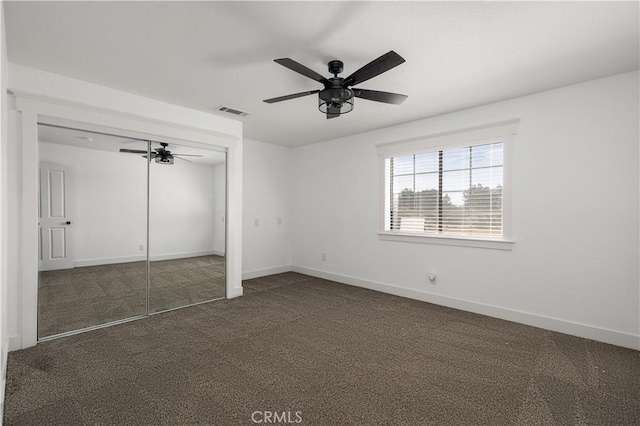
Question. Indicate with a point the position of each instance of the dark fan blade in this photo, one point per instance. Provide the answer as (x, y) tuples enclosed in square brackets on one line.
[(333, 112), (286, 98), (184, 159), (187, 155), (375, 95), (301, 69), (133, 151), (376, 67)]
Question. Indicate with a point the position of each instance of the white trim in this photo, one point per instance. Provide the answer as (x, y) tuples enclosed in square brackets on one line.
[(507, 189), (458, 137), (20, 94), (142, 257), (32, 107), (15, 343), (446, 241), (248, 275), (384, 194), (233, 220), (28, 274), (605, 335)]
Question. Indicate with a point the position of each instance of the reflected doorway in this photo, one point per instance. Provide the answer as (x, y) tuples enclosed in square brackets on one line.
[(126, 229)]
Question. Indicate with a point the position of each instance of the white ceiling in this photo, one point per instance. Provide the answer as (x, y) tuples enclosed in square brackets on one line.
[(109, 143), (206, 54)]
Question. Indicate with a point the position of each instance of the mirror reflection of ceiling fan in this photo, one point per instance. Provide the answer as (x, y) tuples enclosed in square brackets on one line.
[(161, 155)]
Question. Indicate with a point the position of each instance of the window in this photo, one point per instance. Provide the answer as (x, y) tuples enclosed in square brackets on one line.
[(449, 188)]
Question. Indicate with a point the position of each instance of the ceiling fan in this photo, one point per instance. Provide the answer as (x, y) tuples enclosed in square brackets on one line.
[(338, 94), (161, 155)]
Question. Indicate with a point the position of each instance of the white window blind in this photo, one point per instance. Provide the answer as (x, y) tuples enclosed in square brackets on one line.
[(446, 192), (451, 188)]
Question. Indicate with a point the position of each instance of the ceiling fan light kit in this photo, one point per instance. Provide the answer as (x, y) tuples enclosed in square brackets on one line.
[(335, 101), (338, 95), (168, 160)]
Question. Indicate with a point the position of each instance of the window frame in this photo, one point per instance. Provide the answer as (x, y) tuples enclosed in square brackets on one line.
[(499, 132)]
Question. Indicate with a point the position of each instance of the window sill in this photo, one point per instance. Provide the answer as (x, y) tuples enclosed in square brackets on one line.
[(496, 244)]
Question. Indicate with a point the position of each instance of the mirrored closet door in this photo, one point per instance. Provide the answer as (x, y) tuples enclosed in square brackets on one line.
[(186, 224), (127, 228)]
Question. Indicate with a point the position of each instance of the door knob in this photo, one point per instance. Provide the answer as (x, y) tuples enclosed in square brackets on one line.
[(68, 223)]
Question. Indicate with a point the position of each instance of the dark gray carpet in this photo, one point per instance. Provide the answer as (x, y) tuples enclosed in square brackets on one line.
[(339, 355), (72, 299)]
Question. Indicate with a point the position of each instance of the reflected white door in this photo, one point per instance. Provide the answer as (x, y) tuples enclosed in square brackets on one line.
[(54, 223)]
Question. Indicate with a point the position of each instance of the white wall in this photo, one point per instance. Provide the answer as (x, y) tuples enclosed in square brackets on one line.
[(108, 206), (182, 210), (107, 196), (575, 265), (12, 240), (267, 198), (4, 225), (102, 235)]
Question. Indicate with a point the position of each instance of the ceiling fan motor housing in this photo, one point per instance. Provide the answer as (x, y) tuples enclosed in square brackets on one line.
[(336, 67)]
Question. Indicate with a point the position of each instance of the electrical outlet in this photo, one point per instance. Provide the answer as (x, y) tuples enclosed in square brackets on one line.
[(141, 247), (432, 278), (256, 222), (324, 257), (279, 221)]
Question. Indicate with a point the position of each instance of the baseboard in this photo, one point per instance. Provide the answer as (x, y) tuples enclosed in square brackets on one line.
[(14, 343), (185, 255), (264, 272), (108, 261), (3, 374), (235, 292), (548, 323), (3, 384), (141, 258)]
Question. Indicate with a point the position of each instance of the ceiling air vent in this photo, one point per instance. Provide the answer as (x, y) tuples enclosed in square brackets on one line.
[(232, 111)]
